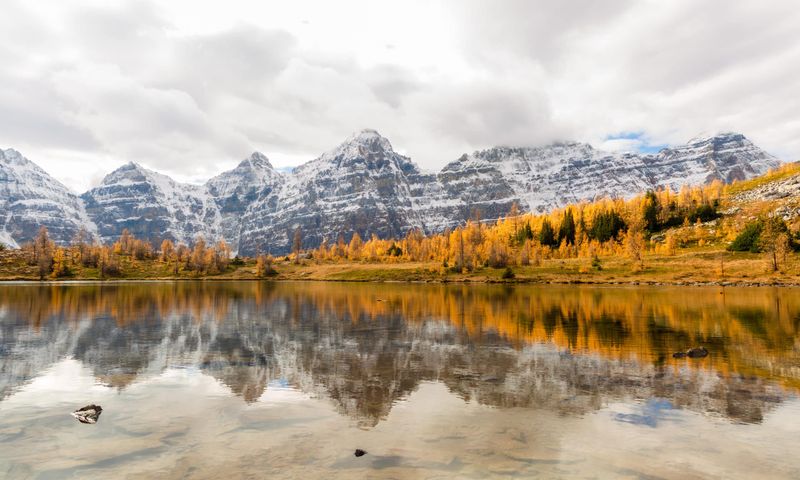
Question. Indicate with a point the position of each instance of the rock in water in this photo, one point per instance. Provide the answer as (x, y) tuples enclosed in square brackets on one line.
[(360, 453), (88, 414), (699, 352)]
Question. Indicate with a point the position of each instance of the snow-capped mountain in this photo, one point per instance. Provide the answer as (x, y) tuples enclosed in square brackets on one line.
[(542, 178), (237, 190), (30, 198), (725, 157), (151, 206), (361, 186)]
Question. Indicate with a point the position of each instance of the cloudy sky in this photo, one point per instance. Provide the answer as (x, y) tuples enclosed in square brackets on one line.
[(190, 90)]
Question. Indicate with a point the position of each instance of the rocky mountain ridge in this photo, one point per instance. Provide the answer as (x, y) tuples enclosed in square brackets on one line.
[(30, 198), (362, 186)]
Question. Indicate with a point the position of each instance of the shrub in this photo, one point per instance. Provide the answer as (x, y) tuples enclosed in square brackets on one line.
[(508, 274), (747, 240), (111, 270), (704, 213), (264, 266)]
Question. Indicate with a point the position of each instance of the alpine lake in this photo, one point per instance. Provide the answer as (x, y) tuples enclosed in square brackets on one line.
[(203, 379)]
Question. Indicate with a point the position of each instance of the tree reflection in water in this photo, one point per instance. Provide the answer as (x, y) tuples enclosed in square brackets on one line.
[(365, 346)]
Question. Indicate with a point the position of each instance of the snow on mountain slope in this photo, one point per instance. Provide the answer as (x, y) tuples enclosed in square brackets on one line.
[(541, 178), (30, 198), (151, 206), (7, 240), (725, 157), (548, 177), (361, 186), (235, 191), (249, 177)]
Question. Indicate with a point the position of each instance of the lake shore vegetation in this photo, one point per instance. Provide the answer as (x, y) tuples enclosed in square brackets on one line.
[(743, 233)]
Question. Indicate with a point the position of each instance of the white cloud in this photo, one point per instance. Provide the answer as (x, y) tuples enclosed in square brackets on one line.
[(190, 88), (621, 145)]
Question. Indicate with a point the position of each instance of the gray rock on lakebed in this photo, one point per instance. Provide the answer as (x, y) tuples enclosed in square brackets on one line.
[(88, 414)]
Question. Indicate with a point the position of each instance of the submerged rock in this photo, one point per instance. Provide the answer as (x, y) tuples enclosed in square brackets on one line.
[(359, 452), (88, 414), (698, 352)]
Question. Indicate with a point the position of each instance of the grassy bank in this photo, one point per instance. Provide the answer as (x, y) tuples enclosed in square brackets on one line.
[(699, 265)]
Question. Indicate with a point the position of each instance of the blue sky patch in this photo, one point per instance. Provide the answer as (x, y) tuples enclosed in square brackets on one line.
[(643, 144)]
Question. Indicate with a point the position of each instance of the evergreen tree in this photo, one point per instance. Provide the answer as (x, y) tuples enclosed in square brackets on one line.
[(606, 225), (566, 232), (547, 235), (394, 251), (524, 233), (650, 211)]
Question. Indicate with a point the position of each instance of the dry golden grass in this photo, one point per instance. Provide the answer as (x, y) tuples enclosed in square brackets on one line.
[(707, 265), (701, 265)]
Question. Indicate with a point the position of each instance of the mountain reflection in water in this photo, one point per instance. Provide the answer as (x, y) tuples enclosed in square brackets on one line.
[(364, 347)]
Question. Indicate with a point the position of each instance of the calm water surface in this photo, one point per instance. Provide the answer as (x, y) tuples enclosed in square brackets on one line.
[(261, 380)]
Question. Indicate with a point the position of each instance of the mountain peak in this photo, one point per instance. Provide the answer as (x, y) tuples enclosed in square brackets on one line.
[(30, 198), (367, 133), (12, 156), (130, 172), (369, 137), (131, 166), (20, 165), (719, 136), (10, 152), (364, 149), (256, 159)]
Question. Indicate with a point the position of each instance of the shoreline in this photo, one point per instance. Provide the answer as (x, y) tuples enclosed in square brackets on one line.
[(462, 281), (699, 267)]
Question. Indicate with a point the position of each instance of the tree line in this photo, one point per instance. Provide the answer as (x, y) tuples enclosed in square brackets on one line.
[(589, 230), (57, 261), (606, 227)]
